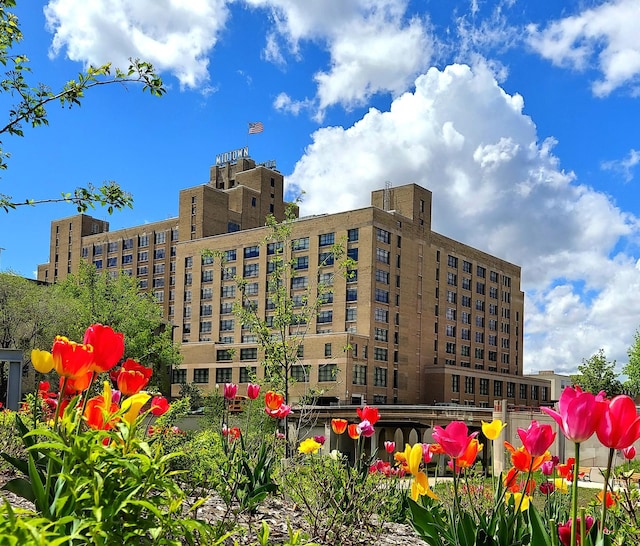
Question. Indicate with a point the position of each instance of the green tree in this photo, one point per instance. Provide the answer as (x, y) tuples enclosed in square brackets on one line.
[(632, 369), (33, 99), (30, 316), (118, 302), (597, 374)]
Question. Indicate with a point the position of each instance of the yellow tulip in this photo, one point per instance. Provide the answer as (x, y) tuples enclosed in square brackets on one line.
[(560, 485), (420, 486), (42, 360), (493, 429), (415, 458), (519, 500), (133, 405), (309, 446)]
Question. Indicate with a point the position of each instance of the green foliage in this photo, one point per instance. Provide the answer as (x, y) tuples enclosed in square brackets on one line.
[(597, 374), (34, 98), (97, 298), (632, 369), (99, 487), (193, 393), (296, 538), (10, 441)]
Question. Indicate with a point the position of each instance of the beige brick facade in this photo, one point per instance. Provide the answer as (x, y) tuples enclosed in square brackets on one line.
[(423, 318)]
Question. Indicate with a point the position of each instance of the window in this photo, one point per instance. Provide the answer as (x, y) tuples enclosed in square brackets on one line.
[(205, 326), (493, 340), (352, 253), (481, 272), (493, 276), (452, 261), (158, 269), (301, 262), (207, 276), (127, 244), (523, 391), (352, 235), (379, 377), (250, 270), (466, 266), (160, 237), (224, 354), (381, 315), (352, 275), (179, 376), (544, 393), (359, 374), (479, 305), (201, 375), (383, 236), (511, 389), (497, 388), (484, 386), (493, 292), (206, 293), (466, 283), (480, 288), (352, 294), (451, 296), (98, 264), (228, 291), (382, 276), (300, 244), (207, 259), (300, 373), (249, 354), (226, 308), (450, 330), (465, 350), (380, 334), (451, 313), (534, 392), (223, 375), (251, 289), (143, 240), (112, 262), (228, 273), (479, 353), (299, 282), (465, 333), (158, 254), (455, 383), (206, 310), (324, 317), (325, 258), (382, 295), (252, 252), (382, 255), (352, 314), (466, 301), (232, 226), (469, 384), (380, 353), (493, 309), (327, 372), (226, 325), (230, 255), (327, 349), (113, 247), (450, 348), (143, 256), (274, 248), (465, 317), (452, 279), (247, 374), (326, 239)]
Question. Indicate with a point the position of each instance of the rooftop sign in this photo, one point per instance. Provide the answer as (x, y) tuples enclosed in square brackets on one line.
[(232, 156)]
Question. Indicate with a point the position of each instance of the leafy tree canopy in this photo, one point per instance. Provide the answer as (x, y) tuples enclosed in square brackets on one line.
[(632, 369), (34, 98), (597, 374)]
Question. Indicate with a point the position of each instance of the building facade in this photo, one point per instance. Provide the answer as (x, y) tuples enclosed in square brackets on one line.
[(420, 319)]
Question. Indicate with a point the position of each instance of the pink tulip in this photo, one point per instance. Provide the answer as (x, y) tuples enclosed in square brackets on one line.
[(564, 530), (390, 447), (629, 453), (230, 391), (454, 438), (320, 439), (578, 413), (547, 468), (619, 426), (427, 454), (253, 391), (365, 428), (537, 438)]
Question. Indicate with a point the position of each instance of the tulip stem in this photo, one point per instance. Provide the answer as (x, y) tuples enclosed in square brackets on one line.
[(574, 495), (607, 475)]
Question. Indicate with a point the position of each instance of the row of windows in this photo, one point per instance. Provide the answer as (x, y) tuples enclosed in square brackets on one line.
[(452, 261), (159, 237), (536, 392)]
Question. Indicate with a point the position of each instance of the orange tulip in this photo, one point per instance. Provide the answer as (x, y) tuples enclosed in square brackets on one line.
[(522, 459), (99, 409), (468, 458), (71, 359), (133, 377), (273, 400), (339, 425), (353, 431)]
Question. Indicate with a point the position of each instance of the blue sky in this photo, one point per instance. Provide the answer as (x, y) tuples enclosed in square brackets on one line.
[(521, 117)]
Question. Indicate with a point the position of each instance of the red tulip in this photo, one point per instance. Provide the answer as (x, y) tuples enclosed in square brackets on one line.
[(339, 425), (564, 530), (454, 438), (366, 429), (230, 391), (368, 413), (546, 488), (253, 391), (108, 346), (279, 413), (159, 405), (390, 447), (133, 377), (619, 426), (578, 413), (71, 359), (537, 438), (629, 453), (320, 439)]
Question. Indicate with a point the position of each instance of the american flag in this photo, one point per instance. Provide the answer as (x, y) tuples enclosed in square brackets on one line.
[(255, 127)]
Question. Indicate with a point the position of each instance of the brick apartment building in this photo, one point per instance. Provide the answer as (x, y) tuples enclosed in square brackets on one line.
[(425, 319)]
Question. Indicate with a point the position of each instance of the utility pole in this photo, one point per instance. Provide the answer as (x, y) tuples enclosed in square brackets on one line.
[(1, 249)]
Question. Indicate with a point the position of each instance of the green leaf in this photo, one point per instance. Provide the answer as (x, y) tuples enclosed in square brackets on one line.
[(539, 528), (21, 487)]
